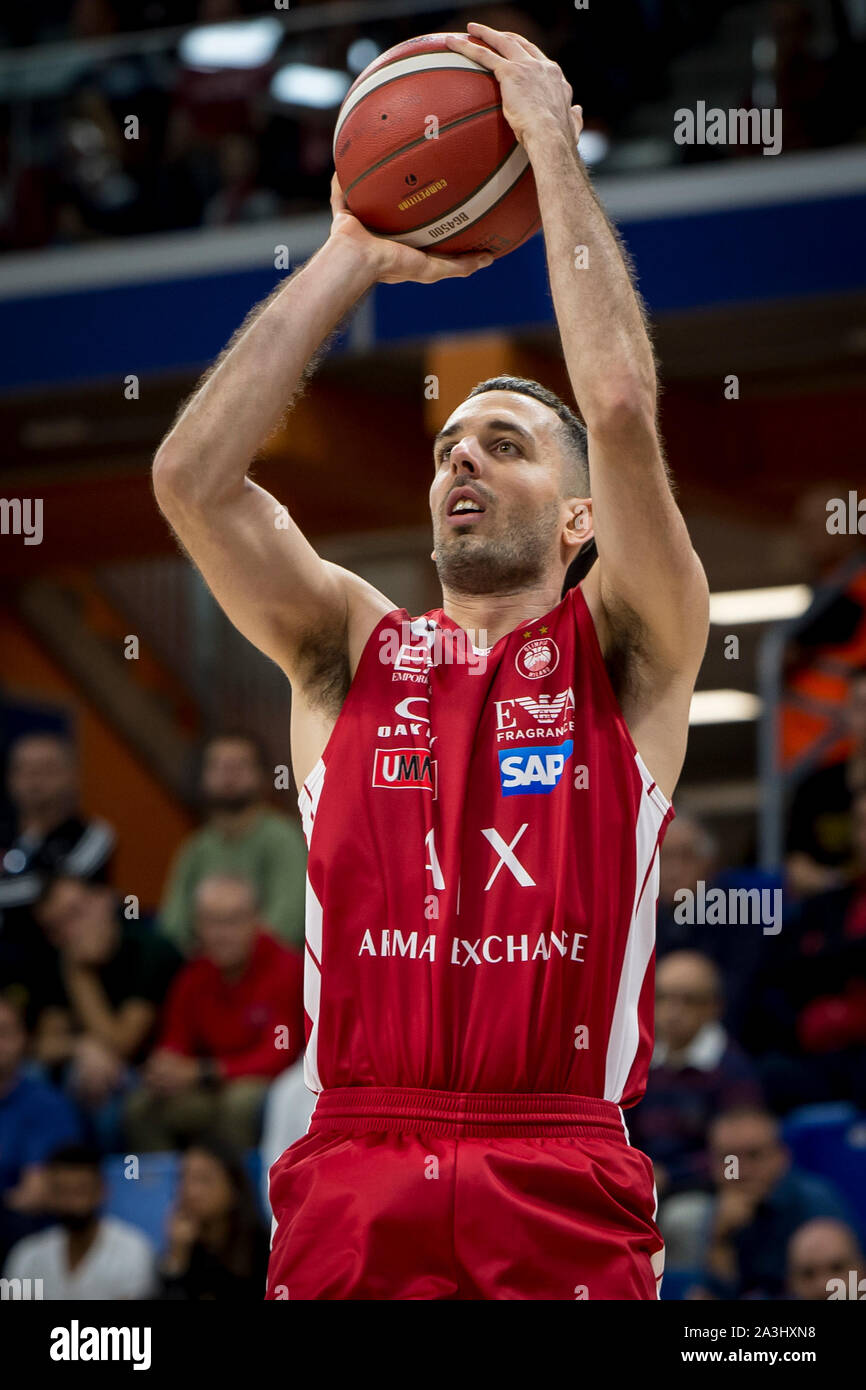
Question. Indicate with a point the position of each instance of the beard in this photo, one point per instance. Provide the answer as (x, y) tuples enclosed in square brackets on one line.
[(77, 1221), (231, 805), (515, 559)]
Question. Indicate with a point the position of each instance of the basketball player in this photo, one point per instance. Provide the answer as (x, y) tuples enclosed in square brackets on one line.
[(483, 832)]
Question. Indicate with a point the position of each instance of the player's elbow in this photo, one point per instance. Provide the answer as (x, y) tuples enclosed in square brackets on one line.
[(624, 409), (180, 481), (169, 478)]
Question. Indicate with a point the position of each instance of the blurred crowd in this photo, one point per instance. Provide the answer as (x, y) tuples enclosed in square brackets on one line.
[(140, 1033), (128, 1036), (214, 147), (159, 1046)]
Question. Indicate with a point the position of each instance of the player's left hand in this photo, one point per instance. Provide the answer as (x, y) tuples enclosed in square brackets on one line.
[(535, 95)]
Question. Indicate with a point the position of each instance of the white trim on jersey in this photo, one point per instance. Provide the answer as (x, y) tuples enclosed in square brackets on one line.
[(625, 1126), (658, 1263), (404, 67), (309, 798), (312, 988), (308, 802), (624, 1031), (657, 1259)]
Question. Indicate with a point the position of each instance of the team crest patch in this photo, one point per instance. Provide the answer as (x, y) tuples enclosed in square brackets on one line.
[(537, 658)]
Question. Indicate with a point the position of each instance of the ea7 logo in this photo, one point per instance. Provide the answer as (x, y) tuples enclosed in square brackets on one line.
[(532, 769), (404, 767), (413, 656)]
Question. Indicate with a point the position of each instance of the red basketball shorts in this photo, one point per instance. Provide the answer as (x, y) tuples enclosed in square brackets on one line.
[(412, 1194)]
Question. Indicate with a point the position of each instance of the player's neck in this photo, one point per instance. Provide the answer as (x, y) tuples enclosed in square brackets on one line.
[(487, 617)]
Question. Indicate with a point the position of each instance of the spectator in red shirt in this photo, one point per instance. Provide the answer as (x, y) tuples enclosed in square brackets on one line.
[(233, 1021)]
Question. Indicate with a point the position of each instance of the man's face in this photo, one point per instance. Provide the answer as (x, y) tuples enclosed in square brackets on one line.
[(753, 1140), (226, 922), (231, 777), (500, 452), (205, 1190), (682, 860), (42, 776), (821, 1251), (686, 998), (80, 917), (13, 1041), (75, 1194)]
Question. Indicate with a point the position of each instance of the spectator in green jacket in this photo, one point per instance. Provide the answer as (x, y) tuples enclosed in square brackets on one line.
[(242, 836)]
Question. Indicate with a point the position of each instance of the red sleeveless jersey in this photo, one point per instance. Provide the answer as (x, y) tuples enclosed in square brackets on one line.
[(483, 868)]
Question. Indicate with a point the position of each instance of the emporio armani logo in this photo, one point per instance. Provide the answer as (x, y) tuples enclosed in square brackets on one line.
[(546, 708)]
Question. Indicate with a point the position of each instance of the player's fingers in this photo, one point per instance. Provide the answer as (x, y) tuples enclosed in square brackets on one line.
[(447, 267), (507, 44), (338, 202), (475, 51), (526, 44), (577, 120)]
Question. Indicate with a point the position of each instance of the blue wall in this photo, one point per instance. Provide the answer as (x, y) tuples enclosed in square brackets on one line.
[(698, 260)]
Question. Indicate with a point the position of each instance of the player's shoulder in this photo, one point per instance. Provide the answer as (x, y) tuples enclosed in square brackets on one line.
[(366, 606), (327, 657), (357, 588), (365, 602)]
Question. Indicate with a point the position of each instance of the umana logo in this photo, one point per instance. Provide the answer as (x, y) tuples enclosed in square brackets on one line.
[(404, 767), (532, 769)]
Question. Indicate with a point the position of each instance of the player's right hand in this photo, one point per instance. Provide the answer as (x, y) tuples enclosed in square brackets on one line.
[(393, 262)]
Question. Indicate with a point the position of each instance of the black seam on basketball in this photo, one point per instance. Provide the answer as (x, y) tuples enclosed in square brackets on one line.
[(445, 67), (422, 139), (448, 211), (398, 78)]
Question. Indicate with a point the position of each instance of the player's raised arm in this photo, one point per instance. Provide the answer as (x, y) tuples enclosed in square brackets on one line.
[(647, 569), (261, 569)]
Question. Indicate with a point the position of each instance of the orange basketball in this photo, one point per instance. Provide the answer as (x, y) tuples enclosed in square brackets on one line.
[(425, 156)]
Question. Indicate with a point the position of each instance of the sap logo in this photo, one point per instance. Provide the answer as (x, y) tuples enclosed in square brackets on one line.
[(404, 767), (532, 769)]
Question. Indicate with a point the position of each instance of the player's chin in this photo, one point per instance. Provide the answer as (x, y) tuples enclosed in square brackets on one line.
[(461, 536)]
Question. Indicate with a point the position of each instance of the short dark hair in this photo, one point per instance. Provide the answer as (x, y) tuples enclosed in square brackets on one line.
[(572, 430), (55, 878), (75, 1156)]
